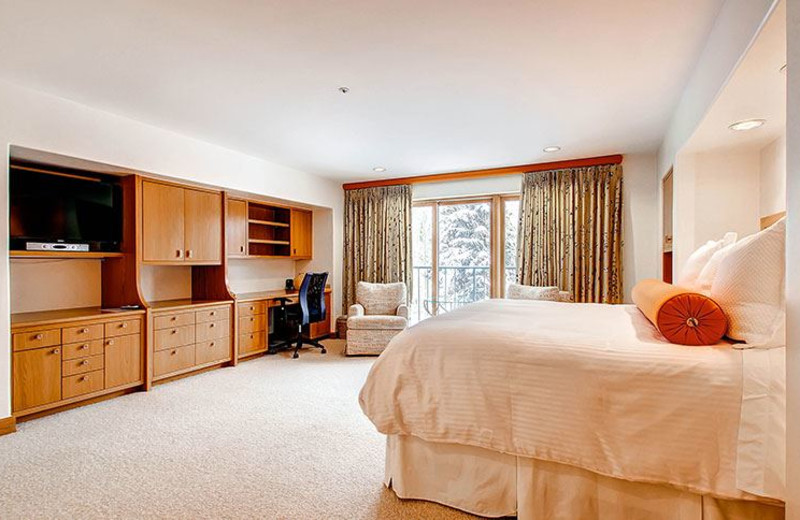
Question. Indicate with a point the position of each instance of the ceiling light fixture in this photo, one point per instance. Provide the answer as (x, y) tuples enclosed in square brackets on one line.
[(344, 90), (747, 124), (552, 149), (379, 169)]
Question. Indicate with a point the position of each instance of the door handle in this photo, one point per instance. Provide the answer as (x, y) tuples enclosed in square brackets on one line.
[(188, 253)]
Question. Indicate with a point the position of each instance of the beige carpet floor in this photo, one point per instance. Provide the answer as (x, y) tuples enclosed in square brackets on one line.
[(271, 438)]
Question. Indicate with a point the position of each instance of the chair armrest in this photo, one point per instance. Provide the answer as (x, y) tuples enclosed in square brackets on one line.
[(355, 310), (402, 311)]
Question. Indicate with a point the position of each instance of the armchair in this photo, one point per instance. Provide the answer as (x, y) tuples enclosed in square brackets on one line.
[(379, 314)]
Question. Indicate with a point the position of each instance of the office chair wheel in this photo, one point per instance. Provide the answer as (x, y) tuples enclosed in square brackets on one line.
[(324, 351), (295, 355)]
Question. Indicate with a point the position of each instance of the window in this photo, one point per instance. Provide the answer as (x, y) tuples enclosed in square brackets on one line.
[(463, 251)]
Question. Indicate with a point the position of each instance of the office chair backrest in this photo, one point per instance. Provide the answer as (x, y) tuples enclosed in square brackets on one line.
[(312, 297)]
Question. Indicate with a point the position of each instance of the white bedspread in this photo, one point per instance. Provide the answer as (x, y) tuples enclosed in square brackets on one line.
[(594, 386)]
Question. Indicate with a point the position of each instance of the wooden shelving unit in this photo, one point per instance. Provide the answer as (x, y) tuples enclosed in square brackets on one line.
[(268, 223), (268, 230)]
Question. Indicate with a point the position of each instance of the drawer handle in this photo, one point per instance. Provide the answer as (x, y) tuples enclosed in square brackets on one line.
[(211, 344), (84, 378), (85, 362), (173, 318), (213, 313), (178, 253), (84, 346), (174, 331), (252, 319), (188, 253), (173, 352), (251, 336), (212, 325), (56, 351), (123, 325), (110, 342), (252, 308), (84, 330), (38, 337)]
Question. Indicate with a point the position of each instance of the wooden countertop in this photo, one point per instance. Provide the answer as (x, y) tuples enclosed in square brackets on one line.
[(268, 295), (186, 303), (25, 319)]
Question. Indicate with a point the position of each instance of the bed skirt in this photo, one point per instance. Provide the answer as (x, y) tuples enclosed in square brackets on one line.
[(493, 484)]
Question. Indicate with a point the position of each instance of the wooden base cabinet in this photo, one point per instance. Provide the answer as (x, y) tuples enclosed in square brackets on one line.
[(58, 365)]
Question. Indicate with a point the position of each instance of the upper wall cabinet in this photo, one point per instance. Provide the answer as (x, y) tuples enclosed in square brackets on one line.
[(181, 225), (236, 227), (301, 233)]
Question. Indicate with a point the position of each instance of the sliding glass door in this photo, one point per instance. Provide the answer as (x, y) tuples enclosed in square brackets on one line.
[(463, 251)]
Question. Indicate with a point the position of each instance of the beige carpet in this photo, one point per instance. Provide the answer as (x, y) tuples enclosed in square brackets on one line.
[(271, 438)]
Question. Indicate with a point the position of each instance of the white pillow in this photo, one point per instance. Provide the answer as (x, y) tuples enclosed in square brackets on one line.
[(749, 288), (698, 260), (709, 272)]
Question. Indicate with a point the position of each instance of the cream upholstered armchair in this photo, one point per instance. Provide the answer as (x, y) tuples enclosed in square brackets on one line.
[(380, 313), (518, 291)]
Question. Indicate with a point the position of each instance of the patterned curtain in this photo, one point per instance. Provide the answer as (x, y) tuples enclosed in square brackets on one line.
[(570, 232), (377, 238)]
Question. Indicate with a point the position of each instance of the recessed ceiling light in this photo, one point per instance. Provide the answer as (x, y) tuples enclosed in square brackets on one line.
[(379, 169), (747, 124), (552, 149), (344, 90)]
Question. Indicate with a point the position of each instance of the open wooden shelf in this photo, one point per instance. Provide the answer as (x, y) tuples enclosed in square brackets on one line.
[(268, 223), (276, 242), (88, 255)]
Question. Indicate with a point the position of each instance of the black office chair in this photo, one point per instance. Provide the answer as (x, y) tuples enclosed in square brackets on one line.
[(311, 309)]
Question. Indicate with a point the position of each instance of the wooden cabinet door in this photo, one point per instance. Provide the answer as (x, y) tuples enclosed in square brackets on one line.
[(123, 360), (203, 217), (236, 228), (37, 377), (162, 222), (301, 233), (322, 328)]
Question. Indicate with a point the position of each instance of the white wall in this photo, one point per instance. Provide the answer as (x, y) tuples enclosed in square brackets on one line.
[(772, 178), (43, 122), (793, 259), (734, 30)]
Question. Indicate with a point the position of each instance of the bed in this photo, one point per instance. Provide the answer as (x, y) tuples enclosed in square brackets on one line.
[(558, 410)]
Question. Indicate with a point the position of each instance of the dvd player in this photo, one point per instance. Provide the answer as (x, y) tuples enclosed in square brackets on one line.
[(55, 246)]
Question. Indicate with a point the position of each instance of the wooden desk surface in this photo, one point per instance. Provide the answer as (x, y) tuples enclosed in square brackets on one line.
[(269, 295), (25, 319), (184, 304)]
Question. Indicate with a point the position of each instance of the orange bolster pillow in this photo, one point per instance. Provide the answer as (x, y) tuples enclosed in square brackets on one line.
[(682, 316)]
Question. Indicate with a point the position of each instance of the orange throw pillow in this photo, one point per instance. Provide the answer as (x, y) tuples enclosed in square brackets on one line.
[(682, 316)]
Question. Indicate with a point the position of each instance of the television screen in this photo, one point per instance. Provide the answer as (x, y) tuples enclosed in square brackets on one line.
[(63, 208)]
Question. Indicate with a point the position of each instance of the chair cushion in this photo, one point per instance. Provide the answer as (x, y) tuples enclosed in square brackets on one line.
[(376, 323), (381, 298)]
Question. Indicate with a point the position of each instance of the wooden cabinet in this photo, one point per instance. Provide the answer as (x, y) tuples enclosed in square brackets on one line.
[(301, 233), (99, 355), (181, 225), (253, 327), (162, 222), (37, 377), (190, 339), (322, 328), (236, 228)]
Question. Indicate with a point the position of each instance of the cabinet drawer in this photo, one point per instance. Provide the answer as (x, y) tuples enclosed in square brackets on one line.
[(214, 350), (120, 328), (36, 339), (82, 349), (173, 360), (173, 320), (248, 309), (82, 333), (82, 384), (252, 342), (174, 337), (212, 314), (82, 365), (252, 323), (212, 330)]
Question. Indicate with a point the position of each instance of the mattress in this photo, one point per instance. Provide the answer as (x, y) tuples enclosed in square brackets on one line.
[(592, 386)]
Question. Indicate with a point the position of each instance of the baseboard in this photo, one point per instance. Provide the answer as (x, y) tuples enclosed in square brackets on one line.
[(8, 425)]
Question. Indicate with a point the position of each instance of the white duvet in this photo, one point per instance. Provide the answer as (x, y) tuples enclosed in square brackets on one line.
[(594, 386)]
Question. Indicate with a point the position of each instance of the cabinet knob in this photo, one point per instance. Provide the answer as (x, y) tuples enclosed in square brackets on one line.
[(174, 331), (84, 330), (84, 378), (252, 308), (178, 253), (56, 351), (173, 352), (84, 346), (110, 342), (123, 325), (38, 336), (173, 318), (252, 319), (213, 313), (212, 325), (211, 344), (85, 362), (188, 253), (241, 249)]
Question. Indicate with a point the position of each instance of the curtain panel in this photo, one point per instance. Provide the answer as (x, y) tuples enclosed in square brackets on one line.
[(377, 238), (570, 232)]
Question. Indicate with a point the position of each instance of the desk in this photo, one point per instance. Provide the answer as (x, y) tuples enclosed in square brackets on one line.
[(254, 317)]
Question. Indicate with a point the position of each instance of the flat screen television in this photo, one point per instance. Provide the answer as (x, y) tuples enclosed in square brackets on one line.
[(64, 209)]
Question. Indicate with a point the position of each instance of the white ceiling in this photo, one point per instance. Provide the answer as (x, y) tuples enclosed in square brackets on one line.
[(755, 90), (436, 86)]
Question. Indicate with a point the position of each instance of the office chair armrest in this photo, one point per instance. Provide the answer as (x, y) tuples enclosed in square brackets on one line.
[(355, 310), (402, 311)]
